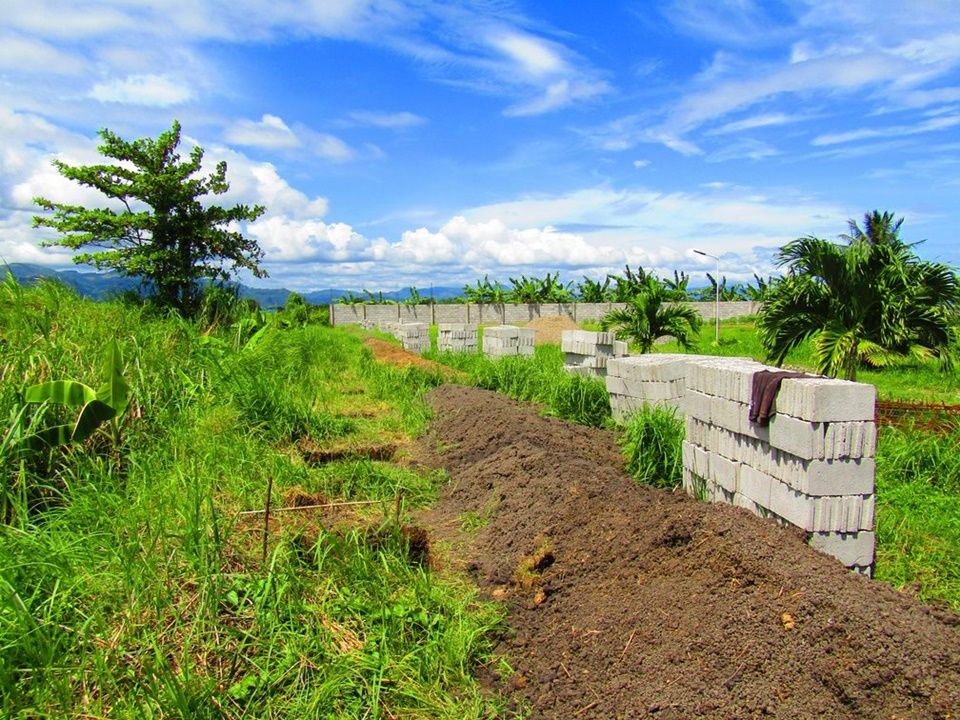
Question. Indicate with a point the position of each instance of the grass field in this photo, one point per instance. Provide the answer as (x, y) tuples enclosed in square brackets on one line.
[(130, 585)]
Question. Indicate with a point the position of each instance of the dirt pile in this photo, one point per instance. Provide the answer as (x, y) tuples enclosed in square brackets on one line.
[(630, 602), (388, 352), (549, 330)]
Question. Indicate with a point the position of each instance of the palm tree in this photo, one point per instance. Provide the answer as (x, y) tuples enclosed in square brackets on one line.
[(648, 316), (878, 229), (870, 301)]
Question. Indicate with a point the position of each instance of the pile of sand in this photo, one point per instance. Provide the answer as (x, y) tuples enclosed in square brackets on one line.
[(549, 329)]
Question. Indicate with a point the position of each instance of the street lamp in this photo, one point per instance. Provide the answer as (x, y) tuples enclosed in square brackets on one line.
[(717, 283)]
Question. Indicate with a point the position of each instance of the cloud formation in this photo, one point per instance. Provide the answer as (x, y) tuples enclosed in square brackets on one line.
[(146, 90)]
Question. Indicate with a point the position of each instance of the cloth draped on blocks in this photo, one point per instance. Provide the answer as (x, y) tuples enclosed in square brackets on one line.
[(766, 385)]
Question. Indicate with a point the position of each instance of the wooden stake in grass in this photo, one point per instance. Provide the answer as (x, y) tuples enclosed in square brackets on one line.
[(398, 506), (266, 517)]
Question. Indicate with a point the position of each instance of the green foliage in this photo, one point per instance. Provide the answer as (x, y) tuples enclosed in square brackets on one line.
[(652, 443), (872, 301), (649, 317), (176, 240), (539, 379), (134, 589), (485, 292), (918, 506), (107, 404), (593, 291), (221, 305), (628, 285), (297, 312), (536, 290)]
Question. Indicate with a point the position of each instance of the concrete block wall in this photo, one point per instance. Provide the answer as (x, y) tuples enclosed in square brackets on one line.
[(504, 340), (414, 336), (656, 379), (587, 353), (507, 313), (457, 337), (812, 467)]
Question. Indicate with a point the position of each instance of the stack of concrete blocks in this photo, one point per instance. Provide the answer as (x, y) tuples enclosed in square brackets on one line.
[(812, 467), (504, 340), (414, 336), (587, 353), (457, 337), (654, 379)]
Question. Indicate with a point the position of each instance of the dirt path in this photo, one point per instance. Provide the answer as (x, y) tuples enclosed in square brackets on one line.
[(628, 602)]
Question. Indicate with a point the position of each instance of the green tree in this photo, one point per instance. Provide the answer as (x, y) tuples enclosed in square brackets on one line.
[(871, 300), (525, 290), (159, 229), (630, 284), (485, 292), (649, 315), (594, 291)]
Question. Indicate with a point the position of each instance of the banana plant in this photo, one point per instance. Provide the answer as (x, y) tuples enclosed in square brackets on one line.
[(108, 404)]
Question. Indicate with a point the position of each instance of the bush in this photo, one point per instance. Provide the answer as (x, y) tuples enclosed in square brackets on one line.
[(652, 443)]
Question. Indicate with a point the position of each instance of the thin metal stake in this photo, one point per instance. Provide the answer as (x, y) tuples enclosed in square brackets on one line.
[(266, 518)]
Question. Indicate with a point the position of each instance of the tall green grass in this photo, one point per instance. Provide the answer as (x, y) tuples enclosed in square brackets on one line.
[(538, 379), (918, 512), (652, 441), (130, 586)]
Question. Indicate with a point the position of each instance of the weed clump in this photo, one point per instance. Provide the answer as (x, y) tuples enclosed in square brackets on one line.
[(652, 444)]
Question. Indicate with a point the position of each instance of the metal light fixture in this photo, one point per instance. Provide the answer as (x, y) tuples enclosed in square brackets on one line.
[(701, 252)]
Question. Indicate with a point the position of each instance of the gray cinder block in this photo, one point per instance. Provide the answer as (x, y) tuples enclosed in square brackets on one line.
[(826, 399), (852, 549), (802, 438)]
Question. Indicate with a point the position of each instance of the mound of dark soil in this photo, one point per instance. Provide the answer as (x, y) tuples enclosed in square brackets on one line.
[(630, 602)]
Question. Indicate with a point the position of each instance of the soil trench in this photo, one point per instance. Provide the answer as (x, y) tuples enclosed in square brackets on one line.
[(628, 602)]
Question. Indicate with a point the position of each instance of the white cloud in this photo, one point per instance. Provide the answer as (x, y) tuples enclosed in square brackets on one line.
[(556, 95), (532, 55), (756, 121), (934, 124), (745, 149), (840, 54), (147, 90), (332, 147), (285, 240), (253, 182), (641, 163), (270, 132), (35, 57), (395, 120)]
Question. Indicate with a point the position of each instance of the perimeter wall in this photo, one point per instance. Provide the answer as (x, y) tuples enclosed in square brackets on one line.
[(507, 314)]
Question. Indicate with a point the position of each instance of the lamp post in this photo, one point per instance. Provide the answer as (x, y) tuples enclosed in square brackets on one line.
[(717, 283)]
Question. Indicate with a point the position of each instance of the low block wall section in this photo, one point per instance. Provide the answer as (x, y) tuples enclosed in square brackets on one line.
[(812, 467)]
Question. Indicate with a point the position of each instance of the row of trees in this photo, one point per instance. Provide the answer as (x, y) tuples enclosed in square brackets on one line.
[(550, 289), (868, 300)]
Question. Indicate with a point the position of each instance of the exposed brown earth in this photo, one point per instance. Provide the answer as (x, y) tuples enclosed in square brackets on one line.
[(549, 330), (628, 602), (392, 354)]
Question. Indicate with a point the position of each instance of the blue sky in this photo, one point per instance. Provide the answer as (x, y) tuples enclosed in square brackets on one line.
[(399, 142)]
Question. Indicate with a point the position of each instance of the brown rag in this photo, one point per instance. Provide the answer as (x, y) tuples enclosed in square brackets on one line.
[(766, 385)]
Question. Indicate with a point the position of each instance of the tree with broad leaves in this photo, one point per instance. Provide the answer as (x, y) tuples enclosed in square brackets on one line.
[(871, 301), (650, 315), (159, 229)]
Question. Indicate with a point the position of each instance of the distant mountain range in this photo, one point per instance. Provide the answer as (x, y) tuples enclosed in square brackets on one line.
[(101, 286)]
